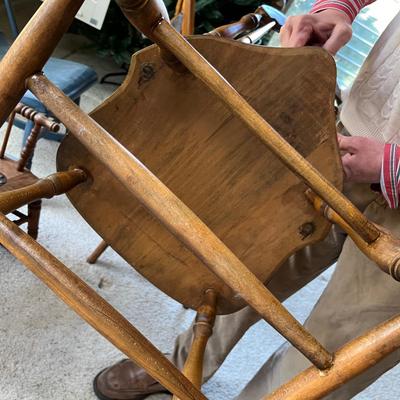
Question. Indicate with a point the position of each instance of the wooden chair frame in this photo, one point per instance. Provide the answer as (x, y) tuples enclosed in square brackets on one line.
[(21, 68)]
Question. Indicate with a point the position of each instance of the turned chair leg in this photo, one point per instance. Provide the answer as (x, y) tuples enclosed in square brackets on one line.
[(97, 252), (202, 330), (33, 218)]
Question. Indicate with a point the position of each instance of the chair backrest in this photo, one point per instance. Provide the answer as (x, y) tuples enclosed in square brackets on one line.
[(185, 136)]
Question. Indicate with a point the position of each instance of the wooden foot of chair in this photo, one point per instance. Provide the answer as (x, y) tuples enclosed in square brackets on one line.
[(202, 330), (33, 218), (97, 252)]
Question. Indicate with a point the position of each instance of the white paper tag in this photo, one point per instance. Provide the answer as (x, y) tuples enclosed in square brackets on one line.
[(93, 12)]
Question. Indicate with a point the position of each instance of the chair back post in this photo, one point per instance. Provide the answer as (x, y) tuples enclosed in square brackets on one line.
[(39, 121), (188, 21), (10, 123)]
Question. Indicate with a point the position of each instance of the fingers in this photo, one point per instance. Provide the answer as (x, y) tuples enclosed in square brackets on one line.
[(297, 31), (340, 35), (284, 33), (347, 163), (348, 144), (329, 28)]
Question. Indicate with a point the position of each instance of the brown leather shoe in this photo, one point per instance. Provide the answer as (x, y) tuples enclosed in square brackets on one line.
[(125, 381)]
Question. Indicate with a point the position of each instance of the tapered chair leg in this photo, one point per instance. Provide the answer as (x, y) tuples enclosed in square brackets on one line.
[(34, 209), (202, 330), (97, 252)]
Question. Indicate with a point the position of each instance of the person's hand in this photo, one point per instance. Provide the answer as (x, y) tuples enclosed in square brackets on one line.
[(361, 158), (329, 28)]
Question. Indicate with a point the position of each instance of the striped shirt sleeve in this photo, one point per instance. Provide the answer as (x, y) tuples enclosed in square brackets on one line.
[(350, 7), (390, 174)]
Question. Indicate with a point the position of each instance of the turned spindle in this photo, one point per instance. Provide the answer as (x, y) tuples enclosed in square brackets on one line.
[(202, 330), (49, 187)]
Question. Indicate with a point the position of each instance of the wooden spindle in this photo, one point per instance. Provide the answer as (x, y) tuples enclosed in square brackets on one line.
[(29, 146), (178, 7), (97, 252), (10, 124), (37, 117), (246, 23), (188, 22), (33, 218), (351, 360), (384, 251), (202, 330), (53, 185)]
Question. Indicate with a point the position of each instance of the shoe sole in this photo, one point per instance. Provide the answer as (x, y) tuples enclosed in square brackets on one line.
[(101, 396)]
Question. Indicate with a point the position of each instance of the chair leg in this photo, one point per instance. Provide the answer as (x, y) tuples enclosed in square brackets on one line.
[(202, 330), (98, 251), (33, 218)]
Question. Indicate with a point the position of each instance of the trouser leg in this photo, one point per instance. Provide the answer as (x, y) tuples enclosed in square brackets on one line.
[(358, 297)]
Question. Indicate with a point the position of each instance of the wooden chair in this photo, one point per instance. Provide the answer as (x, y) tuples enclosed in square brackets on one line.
[(208, 197), (13, 173)]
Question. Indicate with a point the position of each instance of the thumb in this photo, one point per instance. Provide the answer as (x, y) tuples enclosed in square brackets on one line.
[(340, 35), (347, 166)]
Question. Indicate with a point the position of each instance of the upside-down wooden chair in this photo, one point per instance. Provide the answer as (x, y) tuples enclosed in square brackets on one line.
[(248, 29), (14, 176), (206, 202)]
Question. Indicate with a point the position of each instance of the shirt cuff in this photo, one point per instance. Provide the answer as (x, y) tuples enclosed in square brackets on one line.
[(350, 7)]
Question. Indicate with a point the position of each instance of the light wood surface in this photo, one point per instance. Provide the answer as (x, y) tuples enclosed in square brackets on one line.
[(202, 330), (178, 219), (211, 161)]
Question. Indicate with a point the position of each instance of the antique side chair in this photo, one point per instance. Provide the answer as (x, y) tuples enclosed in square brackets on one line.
[(14, 176), (209, 166)]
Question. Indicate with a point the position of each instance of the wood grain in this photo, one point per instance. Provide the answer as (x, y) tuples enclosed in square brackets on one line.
[(211, 161), (177, 218)]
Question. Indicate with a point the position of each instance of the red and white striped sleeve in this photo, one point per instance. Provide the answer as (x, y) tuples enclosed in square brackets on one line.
[(390, 174), (350, 7)]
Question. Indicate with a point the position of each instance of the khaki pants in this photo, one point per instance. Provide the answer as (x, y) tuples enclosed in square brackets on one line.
[(358, 297)]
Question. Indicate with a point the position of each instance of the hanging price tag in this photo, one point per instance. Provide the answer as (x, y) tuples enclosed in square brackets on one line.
[(93, 12)]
